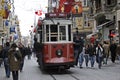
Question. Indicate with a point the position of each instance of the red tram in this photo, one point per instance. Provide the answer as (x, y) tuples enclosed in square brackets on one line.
[(56, 36)]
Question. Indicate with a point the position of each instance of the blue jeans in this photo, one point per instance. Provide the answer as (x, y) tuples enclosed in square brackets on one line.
[(81, 59), (7, 68), (76, 55), (86, 59), (100, 62), (92, 60), (119, 57)]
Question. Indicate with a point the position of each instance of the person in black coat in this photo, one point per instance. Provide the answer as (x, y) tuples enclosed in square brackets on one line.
[(29, 52), (78, 47), (5, 59), (38, 49), (91, 50), (113, 48), (23, 53)]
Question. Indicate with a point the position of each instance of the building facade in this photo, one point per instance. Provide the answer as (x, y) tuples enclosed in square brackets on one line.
[(9, 23)]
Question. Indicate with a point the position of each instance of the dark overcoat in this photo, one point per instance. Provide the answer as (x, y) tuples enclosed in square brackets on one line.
[(13, 63)]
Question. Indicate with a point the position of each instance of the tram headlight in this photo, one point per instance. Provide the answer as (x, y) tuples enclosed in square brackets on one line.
[(59, 52)]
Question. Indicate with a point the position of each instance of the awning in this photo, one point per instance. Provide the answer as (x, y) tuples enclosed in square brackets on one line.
[(105, 24)]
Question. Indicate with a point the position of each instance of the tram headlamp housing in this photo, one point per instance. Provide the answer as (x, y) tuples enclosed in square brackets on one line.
[(59, 52)]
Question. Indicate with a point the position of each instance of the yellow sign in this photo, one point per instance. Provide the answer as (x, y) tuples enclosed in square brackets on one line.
[(79, 22), (2, 13)]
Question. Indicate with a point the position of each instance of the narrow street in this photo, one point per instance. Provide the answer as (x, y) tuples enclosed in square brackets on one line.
[(32, 72)]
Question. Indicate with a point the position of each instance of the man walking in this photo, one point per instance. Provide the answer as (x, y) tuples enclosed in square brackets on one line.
[(78, 47), (113, 48), (5, 59)]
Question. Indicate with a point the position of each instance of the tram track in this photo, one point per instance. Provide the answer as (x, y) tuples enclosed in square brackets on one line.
[(53, 77), (67, 74), (74, 77)]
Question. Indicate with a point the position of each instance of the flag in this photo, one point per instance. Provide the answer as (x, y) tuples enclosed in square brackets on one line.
[(39, 12), (15, 36), (12, 29), (6, 22)]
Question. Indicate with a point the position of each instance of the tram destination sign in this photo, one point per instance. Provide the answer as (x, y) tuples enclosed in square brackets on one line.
[(56, 15)]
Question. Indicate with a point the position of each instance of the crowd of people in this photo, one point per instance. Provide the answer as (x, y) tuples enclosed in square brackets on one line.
[(12, 57), (95, 52)]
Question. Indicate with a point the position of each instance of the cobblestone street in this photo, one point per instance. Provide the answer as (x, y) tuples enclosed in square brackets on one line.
[(32, 72)]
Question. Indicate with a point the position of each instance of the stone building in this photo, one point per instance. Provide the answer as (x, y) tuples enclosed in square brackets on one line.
[(104, 13)]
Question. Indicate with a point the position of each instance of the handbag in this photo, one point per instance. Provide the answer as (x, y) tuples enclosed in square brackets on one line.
[(17, 55)]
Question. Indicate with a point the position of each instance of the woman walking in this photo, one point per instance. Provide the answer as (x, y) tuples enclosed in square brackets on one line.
[(99, 55), (91, 50), (113, 48), (86, 55), (14, 58), (106, 52)]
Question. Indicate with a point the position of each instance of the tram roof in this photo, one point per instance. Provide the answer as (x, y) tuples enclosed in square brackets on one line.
[(57, 21)]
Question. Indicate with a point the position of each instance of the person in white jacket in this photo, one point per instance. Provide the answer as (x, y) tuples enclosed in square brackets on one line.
[(99, 55)]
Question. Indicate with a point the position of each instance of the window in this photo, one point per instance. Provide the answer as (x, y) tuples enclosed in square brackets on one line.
[(69, 32), (98, 4), (54, 32), (62, 33), (111, 2), (85, 20), (47, 32), (85, 3)]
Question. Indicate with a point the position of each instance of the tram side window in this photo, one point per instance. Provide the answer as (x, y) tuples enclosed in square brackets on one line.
[(69, 32), (54, 32), (62, 33), (47, 32)]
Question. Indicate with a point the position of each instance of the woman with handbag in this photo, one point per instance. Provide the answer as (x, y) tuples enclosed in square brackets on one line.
[(99, 55), (14, 62)]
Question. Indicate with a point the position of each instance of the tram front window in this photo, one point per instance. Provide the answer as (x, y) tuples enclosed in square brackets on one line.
[(62, 33), (54, 32)]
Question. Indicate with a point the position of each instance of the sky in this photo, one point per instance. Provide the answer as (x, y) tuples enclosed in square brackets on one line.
[(25, 10)]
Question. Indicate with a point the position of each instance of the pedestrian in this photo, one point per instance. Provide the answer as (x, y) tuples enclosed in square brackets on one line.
[(14, 58), (5, 59), (29, 53), (118, 51), (91, 50), (113, 48), (1, 56), (106, 52), (78, 45), (38, 50), (81, 57), (23, 52), (86, 55), (99, 55)]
